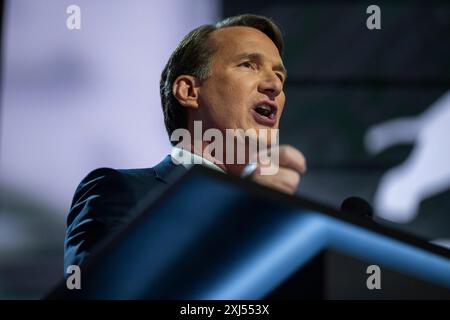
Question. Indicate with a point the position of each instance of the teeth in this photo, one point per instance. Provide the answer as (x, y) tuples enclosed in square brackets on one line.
[(265, 107), (264, 110)]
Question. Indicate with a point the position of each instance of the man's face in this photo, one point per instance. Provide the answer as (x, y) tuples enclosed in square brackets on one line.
[(245, 86)]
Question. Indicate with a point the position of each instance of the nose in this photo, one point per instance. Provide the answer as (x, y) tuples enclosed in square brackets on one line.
[(270, 84)]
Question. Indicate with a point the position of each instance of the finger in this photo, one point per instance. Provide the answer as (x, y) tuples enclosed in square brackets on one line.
[(292, 158), (286, 180), (278, 185), (288, 177)]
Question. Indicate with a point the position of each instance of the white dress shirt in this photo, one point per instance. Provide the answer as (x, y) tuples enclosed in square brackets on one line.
[(187, 159)]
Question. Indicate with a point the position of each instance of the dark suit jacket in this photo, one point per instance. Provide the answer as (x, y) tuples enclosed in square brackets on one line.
[(102, 202)]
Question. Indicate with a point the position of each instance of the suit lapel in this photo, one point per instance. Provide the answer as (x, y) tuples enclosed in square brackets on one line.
[(168, 172)]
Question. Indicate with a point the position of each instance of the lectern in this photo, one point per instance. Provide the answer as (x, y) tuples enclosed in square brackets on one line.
[(215, 236)]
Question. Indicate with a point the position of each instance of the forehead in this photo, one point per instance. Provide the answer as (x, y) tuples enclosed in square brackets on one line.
[(231, 42)]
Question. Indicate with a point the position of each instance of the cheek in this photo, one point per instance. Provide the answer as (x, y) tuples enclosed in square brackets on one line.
[(218, 103), (231, 96), (220, 91), (281, 100)]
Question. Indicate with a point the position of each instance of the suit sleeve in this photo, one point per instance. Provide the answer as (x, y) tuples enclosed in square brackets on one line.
[(98, 209)]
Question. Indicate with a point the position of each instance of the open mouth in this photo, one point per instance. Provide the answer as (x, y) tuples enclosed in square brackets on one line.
[(265, 114)]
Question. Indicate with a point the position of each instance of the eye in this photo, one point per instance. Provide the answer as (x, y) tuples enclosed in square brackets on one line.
[(246, 64), (281, 77)]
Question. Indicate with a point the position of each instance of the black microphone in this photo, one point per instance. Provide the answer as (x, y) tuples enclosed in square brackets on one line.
[(357, 206)]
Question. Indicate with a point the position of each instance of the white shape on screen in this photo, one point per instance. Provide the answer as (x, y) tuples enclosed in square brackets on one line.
[(425, 173)]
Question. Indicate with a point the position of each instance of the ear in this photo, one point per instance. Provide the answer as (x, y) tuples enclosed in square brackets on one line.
[(185, 90)]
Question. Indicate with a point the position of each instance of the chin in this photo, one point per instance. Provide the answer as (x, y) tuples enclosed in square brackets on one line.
[(265, 137)]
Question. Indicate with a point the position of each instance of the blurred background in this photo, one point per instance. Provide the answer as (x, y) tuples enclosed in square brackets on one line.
[(370, 109)]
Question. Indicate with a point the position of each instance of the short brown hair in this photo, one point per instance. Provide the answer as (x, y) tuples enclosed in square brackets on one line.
[(192, 57)]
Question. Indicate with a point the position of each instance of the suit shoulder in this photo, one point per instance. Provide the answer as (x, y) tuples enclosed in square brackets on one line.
[(112, 185), (99, 207), (113, 177), (139, 173), (100, 174), (99, 181)]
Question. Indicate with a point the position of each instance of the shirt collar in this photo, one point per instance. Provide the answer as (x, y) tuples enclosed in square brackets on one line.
[(188, 159)]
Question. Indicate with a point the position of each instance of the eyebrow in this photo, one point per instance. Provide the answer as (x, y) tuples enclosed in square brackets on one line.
[(256, 56)]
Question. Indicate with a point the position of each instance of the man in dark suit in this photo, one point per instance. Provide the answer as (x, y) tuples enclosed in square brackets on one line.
[(226, 76)]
